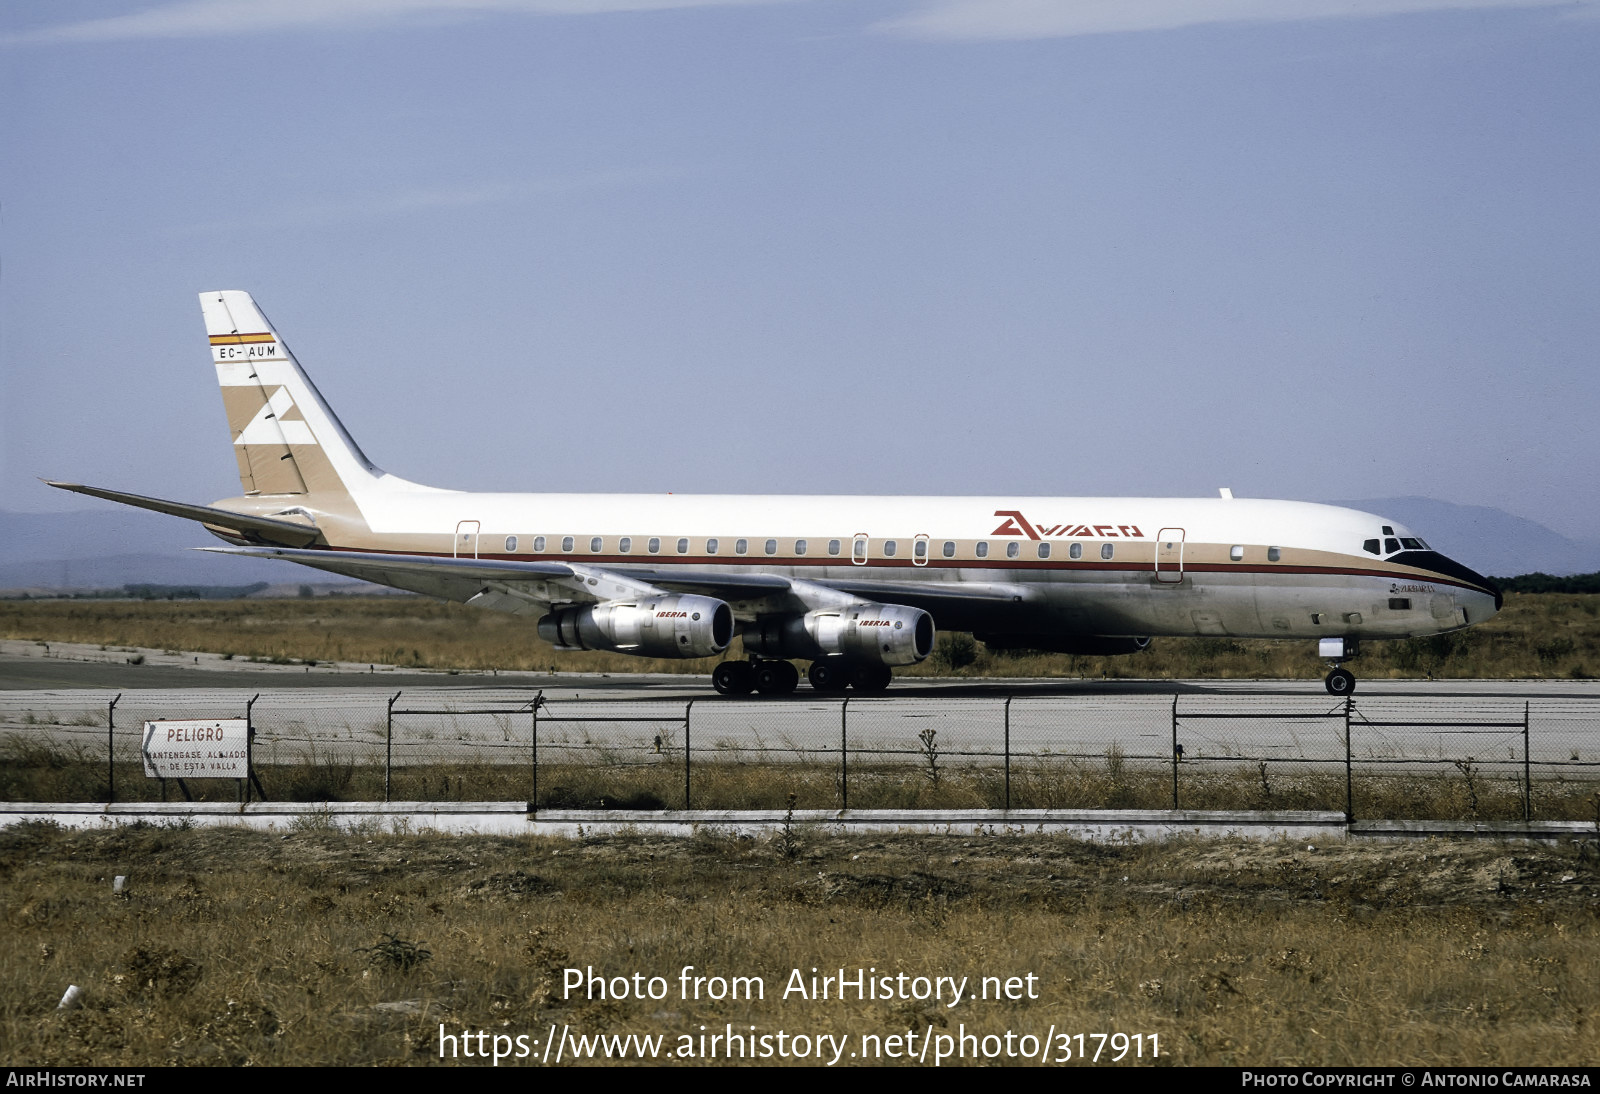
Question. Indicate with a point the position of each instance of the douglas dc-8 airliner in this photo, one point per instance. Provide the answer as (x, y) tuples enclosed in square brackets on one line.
[(853, 585)]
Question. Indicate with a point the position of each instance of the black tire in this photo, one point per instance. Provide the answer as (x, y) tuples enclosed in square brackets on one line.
[(872, 677), (1340, 682), (776, 678), (733, 678), (829, 675)]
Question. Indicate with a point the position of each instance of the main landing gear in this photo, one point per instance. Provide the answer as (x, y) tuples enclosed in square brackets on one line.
[(1339, 681), (831, 674), (767, 677)]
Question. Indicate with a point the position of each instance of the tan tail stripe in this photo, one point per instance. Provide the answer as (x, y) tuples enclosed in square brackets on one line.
[(239, 339)]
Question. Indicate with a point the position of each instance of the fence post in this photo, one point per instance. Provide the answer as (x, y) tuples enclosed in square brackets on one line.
[(1349, 796), (687, 711), (533, 803), (249, 744), (844, 754), (1527, 774), (111, 749), (388, 743), (1174, 750), (1008, 750)]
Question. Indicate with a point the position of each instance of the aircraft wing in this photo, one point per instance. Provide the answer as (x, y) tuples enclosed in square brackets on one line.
[(532, 586), (712, 583), (526, 585), (956, 605), (284, 531)]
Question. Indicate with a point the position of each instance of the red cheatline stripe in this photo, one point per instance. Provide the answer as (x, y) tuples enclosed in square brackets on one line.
[(757, 563), (239, 339)]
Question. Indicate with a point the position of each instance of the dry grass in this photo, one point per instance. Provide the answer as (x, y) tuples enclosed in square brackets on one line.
[(232, 947), (1537, 635), (31, 770)]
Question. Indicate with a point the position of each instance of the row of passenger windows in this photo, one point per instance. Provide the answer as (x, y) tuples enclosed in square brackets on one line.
[(889, 547)]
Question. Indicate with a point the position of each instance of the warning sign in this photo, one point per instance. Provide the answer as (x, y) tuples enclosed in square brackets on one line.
[(196, 748)]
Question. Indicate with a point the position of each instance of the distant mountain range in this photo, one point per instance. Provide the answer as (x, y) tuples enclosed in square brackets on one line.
[(109, 548)]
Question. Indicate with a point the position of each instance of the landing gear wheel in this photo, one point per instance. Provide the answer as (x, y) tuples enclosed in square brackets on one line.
[(1340, 682), (872, 677), (776, 678), (733, 678), (831, 674)]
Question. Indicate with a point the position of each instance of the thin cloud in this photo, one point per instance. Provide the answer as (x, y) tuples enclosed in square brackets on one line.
[(978, 20), (229, 18), (427, 199)]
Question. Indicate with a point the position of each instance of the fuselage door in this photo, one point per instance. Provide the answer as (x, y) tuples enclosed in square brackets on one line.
[(467, 539), (1169, 555), (858, 550)]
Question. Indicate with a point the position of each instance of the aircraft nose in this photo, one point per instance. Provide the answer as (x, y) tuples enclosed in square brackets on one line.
[(1480, 591)]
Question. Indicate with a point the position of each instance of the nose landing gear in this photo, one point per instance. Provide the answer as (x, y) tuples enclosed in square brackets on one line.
[(1339, 681)]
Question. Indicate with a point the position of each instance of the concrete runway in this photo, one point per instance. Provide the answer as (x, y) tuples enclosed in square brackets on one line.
[(34, 666)]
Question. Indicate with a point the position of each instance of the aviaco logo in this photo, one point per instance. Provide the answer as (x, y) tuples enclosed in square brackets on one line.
[(1018, 525)]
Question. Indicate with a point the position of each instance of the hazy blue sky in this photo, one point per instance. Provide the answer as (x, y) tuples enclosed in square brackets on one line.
[(909, 246)]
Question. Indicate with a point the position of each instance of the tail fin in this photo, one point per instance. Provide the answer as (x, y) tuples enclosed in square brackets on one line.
[(286, 438)]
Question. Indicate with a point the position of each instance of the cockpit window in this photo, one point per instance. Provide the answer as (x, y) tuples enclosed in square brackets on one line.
[(1390, 546), (1370, 546), (1387, 530), (1412, 544)]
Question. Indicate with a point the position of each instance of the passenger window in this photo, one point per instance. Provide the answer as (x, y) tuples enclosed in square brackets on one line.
[(1274, 554), (1390, 546), (566, 543), (740, 546), (654, 545), (625, 544), (1044, 550), (1075, 551), (683, 546), (833, 546), (1370, 546), (511, 545), (711, 546), (1013, 549), (595, 544), (772, 546), (1107, 550), (538, 543), (920, 548), (889, 548), (982, 549), (860, 548), (799, 546), (1236, 553), (949, 548)]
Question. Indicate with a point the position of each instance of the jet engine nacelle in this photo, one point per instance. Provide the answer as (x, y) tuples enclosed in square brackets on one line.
[(880, 634), (1088, 645), (681, 625)]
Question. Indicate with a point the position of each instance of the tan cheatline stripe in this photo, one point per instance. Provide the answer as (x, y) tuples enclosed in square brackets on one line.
[(239, 339)]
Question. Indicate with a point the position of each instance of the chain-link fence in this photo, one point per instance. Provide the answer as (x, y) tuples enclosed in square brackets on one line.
[(1381, 757)]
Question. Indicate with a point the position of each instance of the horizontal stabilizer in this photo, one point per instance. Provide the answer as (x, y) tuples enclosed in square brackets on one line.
[(283, 530)]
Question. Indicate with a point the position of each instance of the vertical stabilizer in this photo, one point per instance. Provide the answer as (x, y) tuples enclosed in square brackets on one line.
[(286, 438)]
